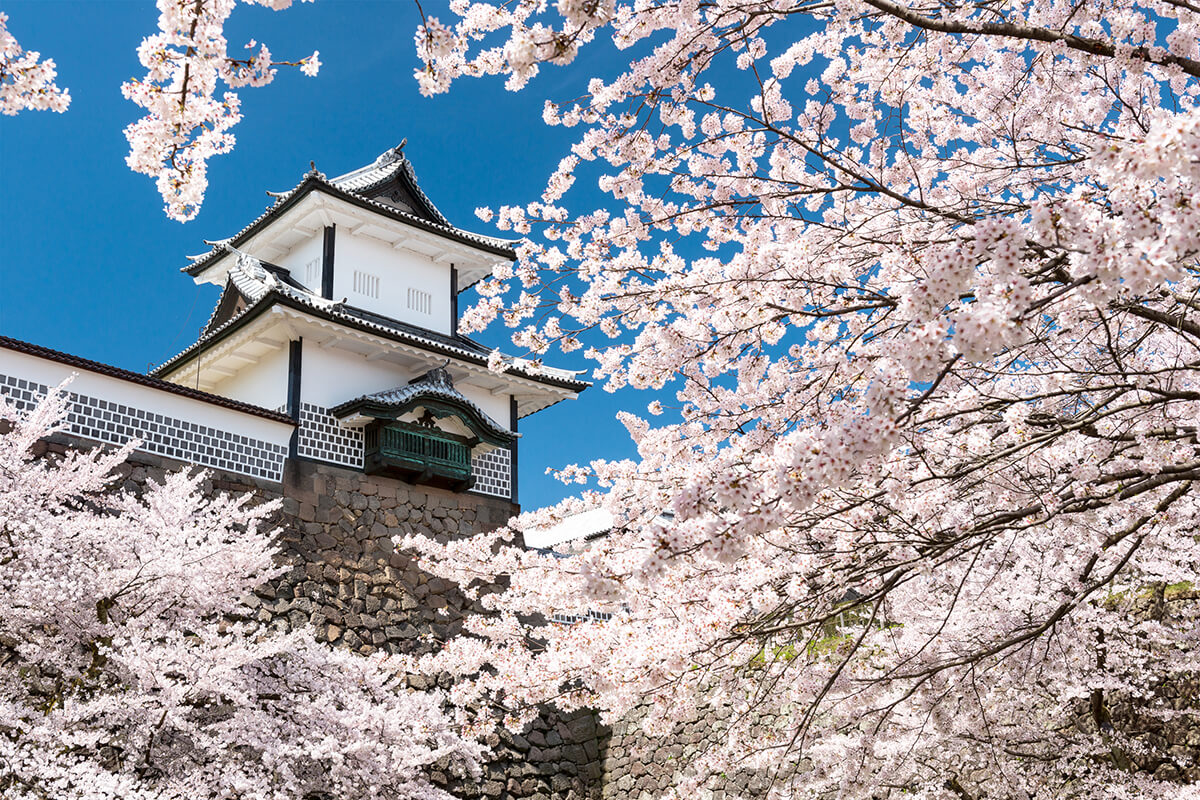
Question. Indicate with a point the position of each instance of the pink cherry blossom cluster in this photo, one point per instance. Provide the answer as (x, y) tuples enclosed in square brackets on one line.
[(27, 81), (919, 283), (444, 50), (186, 122), (130, 667)]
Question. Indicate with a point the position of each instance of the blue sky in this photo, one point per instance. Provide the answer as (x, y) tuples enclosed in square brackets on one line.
[(90, 264)]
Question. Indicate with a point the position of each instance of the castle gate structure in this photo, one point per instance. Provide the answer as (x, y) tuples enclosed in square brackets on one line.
[(331, 375)]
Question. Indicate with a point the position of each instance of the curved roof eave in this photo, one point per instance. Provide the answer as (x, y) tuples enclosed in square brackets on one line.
[(275, 297), (396, 402), (314, 181)]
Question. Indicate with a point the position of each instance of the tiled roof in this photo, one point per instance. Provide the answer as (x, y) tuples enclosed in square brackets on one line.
[(456, 341), (136, 377), (585, 525), (263, 288), (250, 277), (348, 187), (437, 384), (389, 165)]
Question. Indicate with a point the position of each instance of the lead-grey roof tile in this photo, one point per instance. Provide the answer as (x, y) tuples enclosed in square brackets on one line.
[(435, 383)]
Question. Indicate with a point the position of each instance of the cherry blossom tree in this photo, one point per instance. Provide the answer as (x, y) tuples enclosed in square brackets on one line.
[(130, 669), (26, 81), (186, 123), (916, 285)]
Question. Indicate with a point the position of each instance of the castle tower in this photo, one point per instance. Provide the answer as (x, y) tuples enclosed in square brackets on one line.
[(339, 309)]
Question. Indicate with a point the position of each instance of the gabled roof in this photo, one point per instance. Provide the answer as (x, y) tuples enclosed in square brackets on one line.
[(437, 386), (390, 180), (387, 186), (248, 281), (254, 279)]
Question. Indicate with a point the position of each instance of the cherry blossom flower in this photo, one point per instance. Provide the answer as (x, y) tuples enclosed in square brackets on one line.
[(26, 80), (186, 121), (130, 666)]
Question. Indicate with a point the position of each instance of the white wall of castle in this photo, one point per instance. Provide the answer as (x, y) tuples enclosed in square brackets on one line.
[(396, 283), (263, 384), (114, 410), (330, 377), (496, 405), (304, 261), (158, 401)]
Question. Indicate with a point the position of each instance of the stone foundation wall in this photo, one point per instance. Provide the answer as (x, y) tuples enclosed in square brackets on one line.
[(638, 766)]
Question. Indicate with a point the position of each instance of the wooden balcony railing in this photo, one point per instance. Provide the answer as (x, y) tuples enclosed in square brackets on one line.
[(420, 455)]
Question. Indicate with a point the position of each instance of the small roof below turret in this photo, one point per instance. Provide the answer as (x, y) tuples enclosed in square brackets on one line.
[(433, 391)]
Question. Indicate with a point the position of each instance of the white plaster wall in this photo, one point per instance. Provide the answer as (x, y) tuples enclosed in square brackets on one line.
[(333, 376), (263, 384), (330, 377), (496, 405), (147, 398), (297, 259), (398, 271)]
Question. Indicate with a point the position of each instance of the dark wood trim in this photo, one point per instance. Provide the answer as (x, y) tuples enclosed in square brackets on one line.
[(295, 363), (512, 448), (453, 299), (327, 263)]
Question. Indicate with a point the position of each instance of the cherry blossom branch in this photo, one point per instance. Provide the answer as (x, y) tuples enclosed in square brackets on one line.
[(1096, 47), (26, 82), (185, 123), (917, 300)]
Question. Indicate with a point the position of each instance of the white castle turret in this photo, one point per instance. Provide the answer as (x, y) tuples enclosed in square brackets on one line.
[(339, 309)]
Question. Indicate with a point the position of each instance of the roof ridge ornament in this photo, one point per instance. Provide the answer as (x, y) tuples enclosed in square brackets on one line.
[(313, 172), (394, 154), (437, 377)]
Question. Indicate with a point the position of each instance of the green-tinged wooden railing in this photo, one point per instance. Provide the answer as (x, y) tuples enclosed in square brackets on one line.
[(425, 452)]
